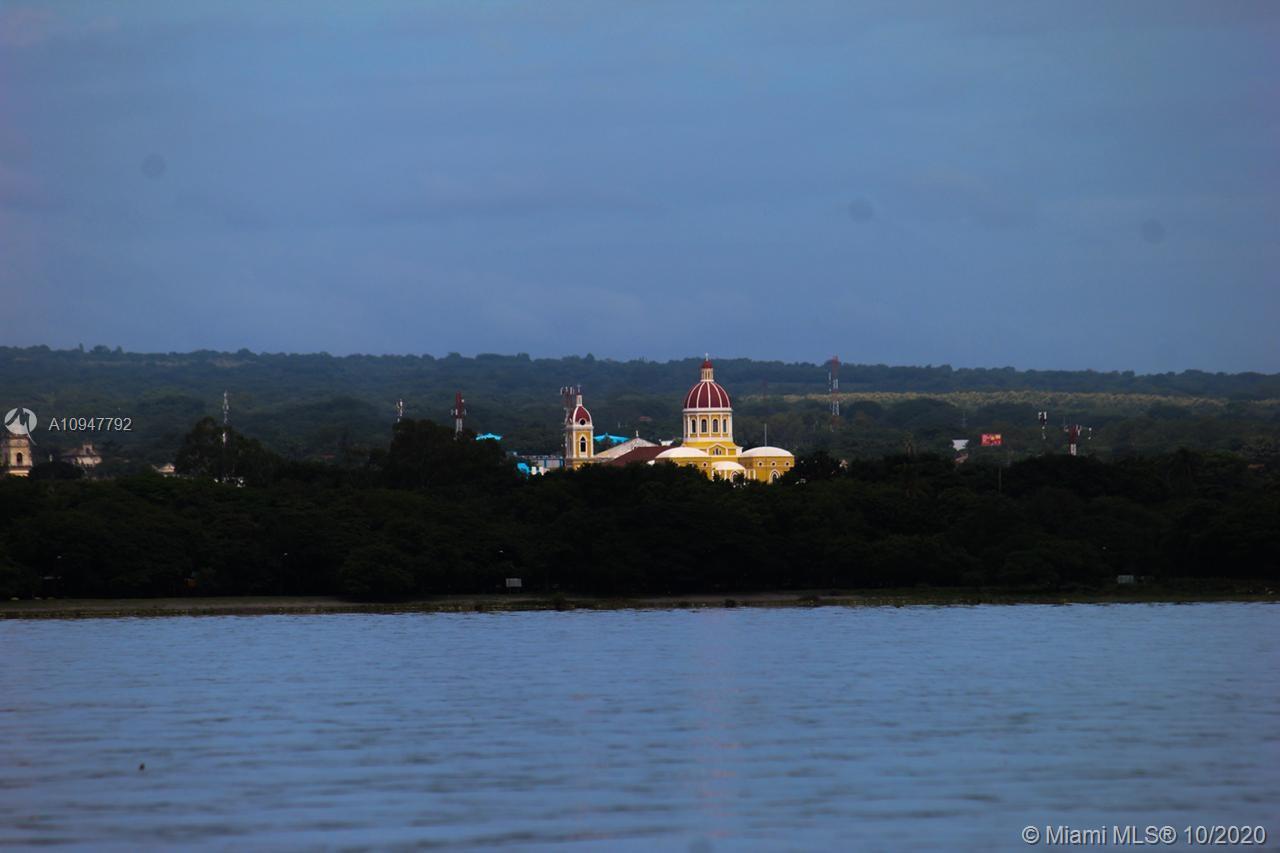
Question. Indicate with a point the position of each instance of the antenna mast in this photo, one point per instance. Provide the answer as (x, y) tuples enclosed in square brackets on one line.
[(459, 413), (1073, 437), (399, 410), (833, 385), (568, 396), (226, 428)]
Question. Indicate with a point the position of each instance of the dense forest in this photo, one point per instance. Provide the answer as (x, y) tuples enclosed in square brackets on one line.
[(338, 409), (431, 514)]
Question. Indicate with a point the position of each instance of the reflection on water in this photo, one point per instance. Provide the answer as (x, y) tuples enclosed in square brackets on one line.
[(833, 728)]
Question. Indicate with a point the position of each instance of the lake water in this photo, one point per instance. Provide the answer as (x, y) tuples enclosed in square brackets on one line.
[(819, 729)]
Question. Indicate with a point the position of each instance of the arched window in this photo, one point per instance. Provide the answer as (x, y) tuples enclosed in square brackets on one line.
[(19, 458), (718, 451), (582, 421), (726, 423), (773, 476), (582, 444), (693, 426), (704, 424), (715, 424)]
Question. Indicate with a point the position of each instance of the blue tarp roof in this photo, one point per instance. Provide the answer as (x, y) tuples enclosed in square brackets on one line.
[(615, 439), (488, 436), (522, 467)]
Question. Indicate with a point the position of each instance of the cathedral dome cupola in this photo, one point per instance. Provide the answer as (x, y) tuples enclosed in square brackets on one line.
[(707, 393)]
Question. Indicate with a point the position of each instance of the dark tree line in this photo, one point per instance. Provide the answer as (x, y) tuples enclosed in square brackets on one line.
[(336, 409), (434, 515)]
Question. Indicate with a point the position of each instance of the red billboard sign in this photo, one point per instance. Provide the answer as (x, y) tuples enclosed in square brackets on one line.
[(992, 439)]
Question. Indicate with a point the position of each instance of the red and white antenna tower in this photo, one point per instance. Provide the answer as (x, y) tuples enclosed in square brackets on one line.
[(833, 384), (459, 413), (1073, 437), (568, 397)]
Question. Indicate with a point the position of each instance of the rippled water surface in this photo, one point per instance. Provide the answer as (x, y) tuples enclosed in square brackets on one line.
[(832, 728)]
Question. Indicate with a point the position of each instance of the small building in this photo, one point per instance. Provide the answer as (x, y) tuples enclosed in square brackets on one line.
[(542, 463), (84, 457)]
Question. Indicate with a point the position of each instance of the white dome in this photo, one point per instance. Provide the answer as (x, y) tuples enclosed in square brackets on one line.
[(728, 466), (765, 451), (682, 453)]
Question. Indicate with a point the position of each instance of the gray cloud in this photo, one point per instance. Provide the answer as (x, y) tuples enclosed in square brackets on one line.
[(893, 181)]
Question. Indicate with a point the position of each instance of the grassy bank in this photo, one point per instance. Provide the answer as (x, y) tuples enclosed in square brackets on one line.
[(1114, 404), (97, 608)]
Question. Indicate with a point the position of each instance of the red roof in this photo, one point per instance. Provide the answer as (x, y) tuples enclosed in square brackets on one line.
[(580, 414), (638, 454), (707, 394)]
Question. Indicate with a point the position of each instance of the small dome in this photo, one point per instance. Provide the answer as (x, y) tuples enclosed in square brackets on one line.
[(765, 451), (682, 453), (731, 467), (581, 416)]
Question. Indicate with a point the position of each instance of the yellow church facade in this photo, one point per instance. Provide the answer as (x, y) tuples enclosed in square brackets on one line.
[(707, 445)]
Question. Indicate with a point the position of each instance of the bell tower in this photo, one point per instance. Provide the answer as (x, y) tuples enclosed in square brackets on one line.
[(579, 434), (15, 455)]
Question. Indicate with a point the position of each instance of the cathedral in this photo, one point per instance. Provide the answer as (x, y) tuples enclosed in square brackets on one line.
[(708, 440)]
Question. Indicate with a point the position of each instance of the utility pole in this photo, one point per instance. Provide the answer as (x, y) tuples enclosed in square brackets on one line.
[(226, 429)]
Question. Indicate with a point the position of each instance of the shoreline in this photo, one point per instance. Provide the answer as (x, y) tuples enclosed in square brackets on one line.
[(118, 608)]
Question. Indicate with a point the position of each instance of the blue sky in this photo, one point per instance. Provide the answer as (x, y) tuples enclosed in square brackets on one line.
[(1043, 185)]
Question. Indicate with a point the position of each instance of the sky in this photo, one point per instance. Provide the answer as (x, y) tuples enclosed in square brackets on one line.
[(1034, 184)]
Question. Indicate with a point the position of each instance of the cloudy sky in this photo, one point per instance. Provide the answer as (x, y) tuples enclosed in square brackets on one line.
[(1032, 184)]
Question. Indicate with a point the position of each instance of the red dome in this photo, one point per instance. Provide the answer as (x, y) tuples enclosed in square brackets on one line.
[(707, 394), (580, 414)]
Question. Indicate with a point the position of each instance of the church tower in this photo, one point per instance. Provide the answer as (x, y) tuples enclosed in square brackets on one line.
[(15, 455), (579, 435), (708, 417)]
